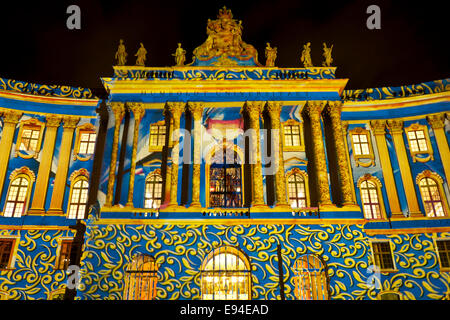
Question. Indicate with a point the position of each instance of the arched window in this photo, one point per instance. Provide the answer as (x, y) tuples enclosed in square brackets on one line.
[(226, 275), (141, 278), (78, 195), (18, 192), (430, 185), (153, 190), (297, 189), (310, 278), (369, 187)]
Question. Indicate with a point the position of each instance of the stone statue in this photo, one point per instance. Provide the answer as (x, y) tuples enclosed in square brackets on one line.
[(121, 54), (306, 55), (141, 55), (327, 55), (271, 55), (180, 55)]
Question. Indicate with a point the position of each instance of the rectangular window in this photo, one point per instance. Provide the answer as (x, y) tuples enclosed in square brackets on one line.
[(30, 138), (382, 254), (6, 249), (157, 135), (65, 255), (417, 141), (292, 136), (443, 249), (360, 144), (87, 142)]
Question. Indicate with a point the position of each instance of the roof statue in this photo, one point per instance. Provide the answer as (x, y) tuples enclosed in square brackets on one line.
[(141, 55), (328, 60), (180, 55), (224, 45), (121, 54)]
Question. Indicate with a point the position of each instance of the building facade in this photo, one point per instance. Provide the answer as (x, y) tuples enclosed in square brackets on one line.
[(225, 179)]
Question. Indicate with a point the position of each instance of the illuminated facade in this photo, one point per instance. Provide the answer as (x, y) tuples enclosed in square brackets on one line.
[(225, 179)]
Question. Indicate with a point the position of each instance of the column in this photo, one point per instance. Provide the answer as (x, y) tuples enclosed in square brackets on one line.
[(379, 131), (118, 110), (196, 109), (314, 109), (396, 130), (40, 190), (344, 125), (138, 111), (10, 120), (274, 108), (334, 110), (254, 109), (175, 109), (437, 122), (65, 150)]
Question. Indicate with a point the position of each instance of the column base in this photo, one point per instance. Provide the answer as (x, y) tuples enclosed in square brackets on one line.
[(195, 205), (327, 206), (417, 214), (397, 215), (36, 211), (58, 212), (129, 205), (283, 207)]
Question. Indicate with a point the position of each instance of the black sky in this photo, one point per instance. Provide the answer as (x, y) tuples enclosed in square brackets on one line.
[(410, 47)]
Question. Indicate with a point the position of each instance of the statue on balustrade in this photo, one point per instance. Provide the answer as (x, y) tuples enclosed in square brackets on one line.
[(327, 55), (121, 54), (141, 56), (271, 55), (306, 55)]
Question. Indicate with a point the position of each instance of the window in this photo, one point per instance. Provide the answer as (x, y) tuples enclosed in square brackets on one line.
[(419, 142), (29, 138), (67, 254), (297, 189), (431, 197), (86, 137), (141, 278), (18, 192), (362, 147), (6, 249), (153, 190), (443, 250), (310, 278), (225, 172), (370, 188), (382, 255), (157, 136), (293, 135), (225, 275), (388, 296), (78, 198)]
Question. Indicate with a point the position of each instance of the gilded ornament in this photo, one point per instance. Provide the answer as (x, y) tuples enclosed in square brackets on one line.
[(271, 55), (180, 56), (306, 55), (437, 121)]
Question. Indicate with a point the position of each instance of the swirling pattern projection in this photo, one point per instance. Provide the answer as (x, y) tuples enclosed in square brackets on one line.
[(397, 92), (179, 251), (46, 90), (226, 74), (34, 275)]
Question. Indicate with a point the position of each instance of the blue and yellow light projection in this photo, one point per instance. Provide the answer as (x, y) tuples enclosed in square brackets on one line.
[(223, 179)]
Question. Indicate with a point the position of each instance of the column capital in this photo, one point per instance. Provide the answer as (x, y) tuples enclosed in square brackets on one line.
[(395, 126), (70, 122), (137, 108), (12, 117), (334, 108), (196, 108), (378, 127), (253, 108), (437, 121), (344, 127), (175, 109), (53, 121), (118, 108), (274, 108), (314, 108)]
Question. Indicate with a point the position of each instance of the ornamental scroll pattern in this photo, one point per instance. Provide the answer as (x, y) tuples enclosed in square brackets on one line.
[(249, 73), (179, 251), (46, 90), (397, 92), (34, 275)]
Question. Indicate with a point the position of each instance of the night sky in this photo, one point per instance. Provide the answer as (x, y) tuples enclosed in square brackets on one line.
[(410, 47)]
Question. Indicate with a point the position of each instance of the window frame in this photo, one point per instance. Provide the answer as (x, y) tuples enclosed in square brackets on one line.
[(439, 183), (304, 175), (156, 172), (32, 122), (414, 154), (292, 122), (12, 256), (323, 270), (359, 157), (84, 128), (378, 186), (76, 176), (391, 252), (400, 296), (128, 275), (61, 243), (153, 148), (26, 173), (436, 240)]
